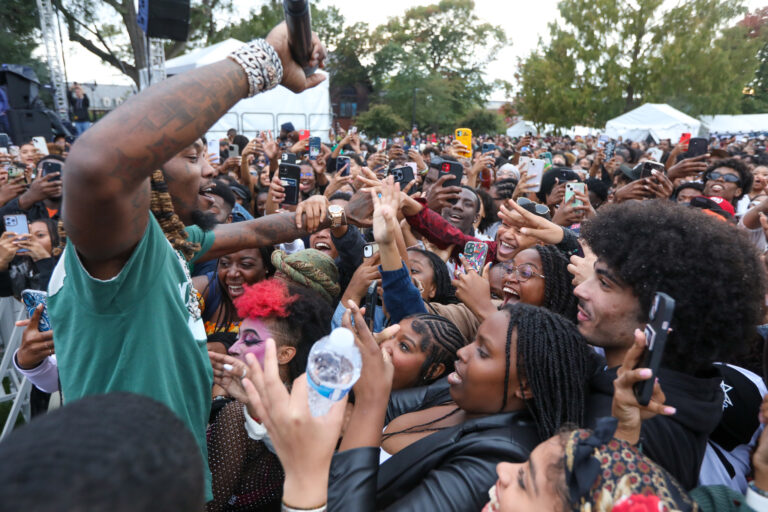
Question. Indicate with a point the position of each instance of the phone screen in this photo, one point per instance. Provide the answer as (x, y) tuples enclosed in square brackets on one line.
[(343, 165), (314, 148)]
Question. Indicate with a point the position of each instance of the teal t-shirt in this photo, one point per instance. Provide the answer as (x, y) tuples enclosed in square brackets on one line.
[(140, 331)]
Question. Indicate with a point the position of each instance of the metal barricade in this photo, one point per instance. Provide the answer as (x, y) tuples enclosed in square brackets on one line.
[(19, 387)]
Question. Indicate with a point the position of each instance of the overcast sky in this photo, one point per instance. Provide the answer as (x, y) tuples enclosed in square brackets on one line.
[(524, 23)]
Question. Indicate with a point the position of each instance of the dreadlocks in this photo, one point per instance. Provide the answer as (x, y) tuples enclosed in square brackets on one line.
[(558, 288), (162, 208), (554, 360), (440, 340)]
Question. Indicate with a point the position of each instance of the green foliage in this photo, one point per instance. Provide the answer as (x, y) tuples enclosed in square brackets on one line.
[(441, 51), (484, 122), (756, 99), (18, 31), (610, 57), (380, 121)]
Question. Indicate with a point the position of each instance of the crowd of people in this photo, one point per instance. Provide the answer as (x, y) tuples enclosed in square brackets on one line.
[(185, 292)]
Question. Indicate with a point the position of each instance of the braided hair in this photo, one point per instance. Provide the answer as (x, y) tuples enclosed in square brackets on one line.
[(445, 293), (440, 340), (558, 288), (162, 208), (554, 359)]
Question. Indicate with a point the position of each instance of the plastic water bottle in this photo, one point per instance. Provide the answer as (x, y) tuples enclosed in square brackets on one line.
[(332, 369)]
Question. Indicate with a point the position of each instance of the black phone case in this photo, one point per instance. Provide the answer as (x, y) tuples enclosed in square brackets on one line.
[(340, 163), (402, 175), (290, 174), (656, 332), (458, 172)]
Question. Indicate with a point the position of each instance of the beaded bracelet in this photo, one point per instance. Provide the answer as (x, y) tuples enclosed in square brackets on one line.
[(261, 64)]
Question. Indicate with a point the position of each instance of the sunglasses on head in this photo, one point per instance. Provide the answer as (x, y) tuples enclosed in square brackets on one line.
[(538, 209), (728, 178)]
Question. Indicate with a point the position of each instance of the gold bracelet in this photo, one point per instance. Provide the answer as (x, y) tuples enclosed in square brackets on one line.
[(288, 508)]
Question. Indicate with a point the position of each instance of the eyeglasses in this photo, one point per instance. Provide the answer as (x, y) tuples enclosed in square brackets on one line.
[(524, 271), (728, 178), (539, 209)]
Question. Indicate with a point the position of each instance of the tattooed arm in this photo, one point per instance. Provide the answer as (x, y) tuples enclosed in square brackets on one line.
[(107, 194)]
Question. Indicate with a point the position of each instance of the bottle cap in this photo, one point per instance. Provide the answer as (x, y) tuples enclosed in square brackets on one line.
[(341, 337)]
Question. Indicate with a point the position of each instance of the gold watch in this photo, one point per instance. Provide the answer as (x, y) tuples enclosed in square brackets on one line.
[(336, 214)]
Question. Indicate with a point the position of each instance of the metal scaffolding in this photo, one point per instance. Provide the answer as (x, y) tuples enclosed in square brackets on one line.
[(52, 55)]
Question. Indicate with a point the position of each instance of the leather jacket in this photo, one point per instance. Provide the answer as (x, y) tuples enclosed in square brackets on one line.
[(451, 469)]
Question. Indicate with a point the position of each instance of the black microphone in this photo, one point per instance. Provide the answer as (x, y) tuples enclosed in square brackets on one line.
[(299, 22)]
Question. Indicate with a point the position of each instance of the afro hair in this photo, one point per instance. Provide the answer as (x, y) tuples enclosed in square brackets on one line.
[(709, 267)]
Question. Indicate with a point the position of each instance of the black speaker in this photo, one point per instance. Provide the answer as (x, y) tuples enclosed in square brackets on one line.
[(20, 84), (164, 19), (26, 124)]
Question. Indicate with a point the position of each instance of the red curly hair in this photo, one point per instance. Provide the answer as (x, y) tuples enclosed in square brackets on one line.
[(266, 298)]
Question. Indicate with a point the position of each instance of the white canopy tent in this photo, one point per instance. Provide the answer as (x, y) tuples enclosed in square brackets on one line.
[(310, 110), (658, 120), (520, 128), (732, 125)]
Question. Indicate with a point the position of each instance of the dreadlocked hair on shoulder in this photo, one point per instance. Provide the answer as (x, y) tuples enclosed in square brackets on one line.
[(555, 362), (162, 208), (558, 287)]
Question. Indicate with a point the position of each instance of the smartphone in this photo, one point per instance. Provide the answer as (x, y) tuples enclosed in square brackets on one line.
[(403, 175), (5, 141), (13, 151), (288, 158), (464, 135), (370, 249), (303, 134), (602, 141), (17, 224), (16, 170), (570, 189), (697, 146), (314, 148), (343, 165), (39, 143), (535, 172), (353, 130), (488, 147), (454, 168), (685, 138), (656, 332), (32, 299), (547, 157), (383, 145), (610, 149), (234, 150), (290, 174), (213, 149), (656, 154), (475, 254), (50, 167), (646, 171)]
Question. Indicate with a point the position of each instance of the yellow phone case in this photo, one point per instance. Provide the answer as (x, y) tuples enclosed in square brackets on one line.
[(464, 135)]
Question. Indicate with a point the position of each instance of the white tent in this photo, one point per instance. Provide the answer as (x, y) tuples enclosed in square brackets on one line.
[(732, 125), (310, 110), (658, 120), (521, 128)]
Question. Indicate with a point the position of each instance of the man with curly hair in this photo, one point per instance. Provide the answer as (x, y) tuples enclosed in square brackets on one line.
[(713, 273), (729, 179)]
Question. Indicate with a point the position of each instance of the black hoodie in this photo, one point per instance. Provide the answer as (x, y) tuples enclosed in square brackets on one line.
[(677, 443)]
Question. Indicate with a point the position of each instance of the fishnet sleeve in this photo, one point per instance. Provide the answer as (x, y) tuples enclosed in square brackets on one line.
[(246, 475)]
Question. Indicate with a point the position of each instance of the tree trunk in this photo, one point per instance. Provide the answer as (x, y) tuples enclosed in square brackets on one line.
[(137, 37)]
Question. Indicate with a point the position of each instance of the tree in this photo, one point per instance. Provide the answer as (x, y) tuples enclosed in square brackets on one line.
[(19, 33), (109, 30), (755, 99), (484, 122), (437, 54), (609, 57), (380, 121)]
